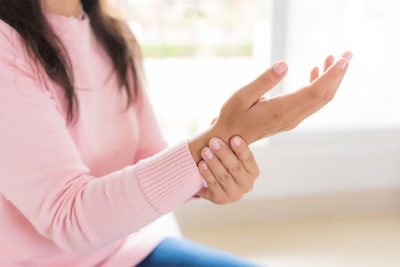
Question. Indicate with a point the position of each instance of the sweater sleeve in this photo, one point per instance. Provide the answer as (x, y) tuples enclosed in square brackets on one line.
[(44, 177), (151, 139)]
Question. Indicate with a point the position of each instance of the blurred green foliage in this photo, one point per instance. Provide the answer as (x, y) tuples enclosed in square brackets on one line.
[(176, 50)]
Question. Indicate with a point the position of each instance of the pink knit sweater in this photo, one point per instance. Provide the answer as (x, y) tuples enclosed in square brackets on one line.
[(81, 195)]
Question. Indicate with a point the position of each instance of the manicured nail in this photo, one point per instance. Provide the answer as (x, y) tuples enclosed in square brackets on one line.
[(348, 55), (208, 153), (203, 165), (237, 141), (345, 60), (215, 144), (279, 67)]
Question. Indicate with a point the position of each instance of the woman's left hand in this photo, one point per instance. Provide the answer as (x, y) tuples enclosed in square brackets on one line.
[(230, 172)]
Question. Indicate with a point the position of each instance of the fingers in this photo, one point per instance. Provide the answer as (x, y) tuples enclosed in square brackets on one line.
[(328, 62), (221, 174), (232, 164), (214, 190), (322, 89), (314, 74), (265, 82), (286, 111), (314, 107), (244, 154), (329, 90), (334, 73), (315, 71), (229, 173)]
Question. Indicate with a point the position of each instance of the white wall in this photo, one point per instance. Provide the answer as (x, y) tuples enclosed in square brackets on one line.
[(302, 163)]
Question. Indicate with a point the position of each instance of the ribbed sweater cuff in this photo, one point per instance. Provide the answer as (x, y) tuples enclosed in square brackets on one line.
[(169, 178)]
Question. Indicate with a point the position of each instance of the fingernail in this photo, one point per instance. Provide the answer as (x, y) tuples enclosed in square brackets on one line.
[(208, 153), (279, 67), (348, 55), (216, 144), (237, 141), (345, 60), (203, 166)]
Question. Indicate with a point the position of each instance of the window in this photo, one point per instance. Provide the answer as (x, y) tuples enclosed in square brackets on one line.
[(370, 94), (198, 52)]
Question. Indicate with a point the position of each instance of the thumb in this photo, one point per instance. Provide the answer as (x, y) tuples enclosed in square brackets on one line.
[(264, 83)]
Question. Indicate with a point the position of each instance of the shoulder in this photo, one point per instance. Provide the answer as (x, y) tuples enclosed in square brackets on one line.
[(12, 46), (19, 75), (6, 31)]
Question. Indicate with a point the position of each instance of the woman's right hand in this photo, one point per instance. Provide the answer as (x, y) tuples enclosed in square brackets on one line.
[(246, 113)]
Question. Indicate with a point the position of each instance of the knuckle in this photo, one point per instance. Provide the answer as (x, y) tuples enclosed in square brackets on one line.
[(237, 197), (248, 159), (276, 112), (248, 187), (224, 178), (329, 97), (315, 95), (277, 115), (235, 168), (212, 184)]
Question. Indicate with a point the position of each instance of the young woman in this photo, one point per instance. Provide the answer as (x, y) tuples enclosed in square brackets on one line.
[(83, 166)]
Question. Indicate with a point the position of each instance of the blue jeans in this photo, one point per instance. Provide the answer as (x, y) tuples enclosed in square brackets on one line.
[(173, 252)]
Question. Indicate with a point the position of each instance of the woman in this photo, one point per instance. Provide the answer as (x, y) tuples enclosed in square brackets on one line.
[(83, 166)]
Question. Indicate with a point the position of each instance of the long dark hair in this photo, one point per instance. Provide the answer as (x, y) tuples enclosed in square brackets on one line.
[(27, 18)]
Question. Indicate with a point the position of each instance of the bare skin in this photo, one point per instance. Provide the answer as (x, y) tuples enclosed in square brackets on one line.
[(61, 7)]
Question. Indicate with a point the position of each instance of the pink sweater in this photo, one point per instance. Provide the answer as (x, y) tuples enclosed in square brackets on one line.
[(81, 195)]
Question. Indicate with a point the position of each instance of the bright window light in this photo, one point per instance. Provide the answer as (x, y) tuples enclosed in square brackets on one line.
[(198, 52), (370, 94)]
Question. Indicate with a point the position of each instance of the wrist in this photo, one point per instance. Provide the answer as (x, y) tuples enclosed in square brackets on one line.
[(197, 143)]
